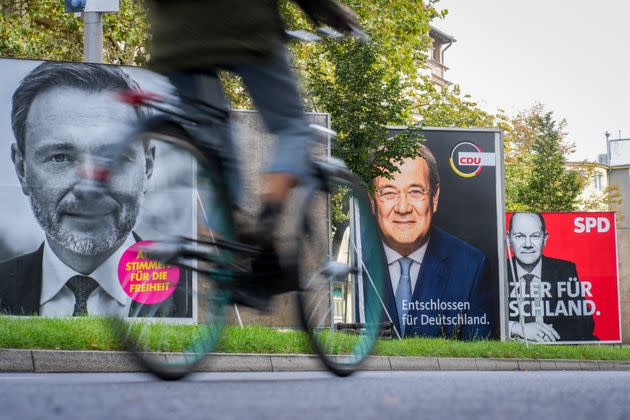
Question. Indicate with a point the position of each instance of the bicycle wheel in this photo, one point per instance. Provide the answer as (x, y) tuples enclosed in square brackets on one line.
[(341, 280), (176, 312)]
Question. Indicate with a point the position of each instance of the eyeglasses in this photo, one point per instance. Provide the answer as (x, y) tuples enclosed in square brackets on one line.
[(392, 196)]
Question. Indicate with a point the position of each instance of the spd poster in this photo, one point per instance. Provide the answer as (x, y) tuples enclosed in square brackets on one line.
[(566, 288)]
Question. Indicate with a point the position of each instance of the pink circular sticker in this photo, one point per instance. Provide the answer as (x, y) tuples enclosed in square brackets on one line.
[(145, 280)]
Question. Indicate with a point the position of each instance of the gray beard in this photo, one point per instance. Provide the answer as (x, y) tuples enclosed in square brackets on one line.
[(83, 246)]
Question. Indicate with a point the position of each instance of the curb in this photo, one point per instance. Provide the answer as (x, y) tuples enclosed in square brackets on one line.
[(70, 361)]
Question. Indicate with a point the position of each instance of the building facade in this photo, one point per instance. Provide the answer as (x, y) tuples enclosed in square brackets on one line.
[(436, 66), (612, 169)]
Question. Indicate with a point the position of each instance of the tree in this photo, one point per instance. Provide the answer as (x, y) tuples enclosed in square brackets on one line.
[(442, 106), (536, 176), (607, 199), (40, 29), (363, 87), (367, 87)]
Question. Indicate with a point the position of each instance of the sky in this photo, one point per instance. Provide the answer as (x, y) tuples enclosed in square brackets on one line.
[(571, 55)]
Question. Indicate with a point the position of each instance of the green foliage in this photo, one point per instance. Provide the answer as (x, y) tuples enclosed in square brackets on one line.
[(441, 106), (363, 87), (40, 29), (607, 199), (536, 176), (362, 99), (126, 34), (366, 87)]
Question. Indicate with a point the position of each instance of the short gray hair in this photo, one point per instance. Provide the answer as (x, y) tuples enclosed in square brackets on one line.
[(434, 174), (48, 75)]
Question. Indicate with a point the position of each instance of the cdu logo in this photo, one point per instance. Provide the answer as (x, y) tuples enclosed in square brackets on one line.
[(467, 159)]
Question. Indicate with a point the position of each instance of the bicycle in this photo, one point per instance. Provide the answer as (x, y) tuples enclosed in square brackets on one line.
[(333, 291)]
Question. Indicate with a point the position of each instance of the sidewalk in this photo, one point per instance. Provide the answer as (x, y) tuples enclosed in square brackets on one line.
[(117, 361)]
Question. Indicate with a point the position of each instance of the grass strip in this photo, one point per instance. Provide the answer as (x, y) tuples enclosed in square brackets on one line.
[(96, 334)]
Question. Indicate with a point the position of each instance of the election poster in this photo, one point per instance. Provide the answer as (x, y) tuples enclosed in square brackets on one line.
[(64, 251), (563, 278), (56, 241), (441, 220)]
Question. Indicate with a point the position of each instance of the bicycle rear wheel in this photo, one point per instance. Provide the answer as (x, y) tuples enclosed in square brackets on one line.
[(184, 199), (341, 280)]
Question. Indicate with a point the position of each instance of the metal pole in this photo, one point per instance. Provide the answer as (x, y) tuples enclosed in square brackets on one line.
[(93, 37), (608, 158), (238, 315)]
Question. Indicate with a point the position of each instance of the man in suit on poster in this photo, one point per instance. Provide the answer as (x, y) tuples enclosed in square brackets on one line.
[(62, 114), (544, 313), (437, 282)]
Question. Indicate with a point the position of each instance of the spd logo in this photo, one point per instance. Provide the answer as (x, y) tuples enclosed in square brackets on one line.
[(467, 159), (586, 224)]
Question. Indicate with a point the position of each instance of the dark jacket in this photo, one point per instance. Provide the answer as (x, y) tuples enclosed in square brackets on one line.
[(455, 273), (21, 287), (197, 34), (569, 327)]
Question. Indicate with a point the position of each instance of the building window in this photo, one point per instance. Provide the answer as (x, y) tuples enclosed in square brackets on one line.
[(597, 181), (338, 296)]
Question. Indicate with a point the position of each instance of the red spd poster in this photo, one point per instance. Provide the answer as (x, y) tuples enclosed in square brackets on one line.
[(562, 278)]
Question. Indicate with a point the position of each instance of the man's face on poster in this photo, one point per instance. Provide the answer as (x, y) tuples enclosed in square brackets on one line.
[(527, 237), (66, 129), (404, 206)]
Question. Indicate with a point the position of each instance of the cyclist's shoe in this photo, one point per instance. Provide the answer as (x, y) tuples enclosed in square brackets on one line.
[(253, 293), (266, 265)]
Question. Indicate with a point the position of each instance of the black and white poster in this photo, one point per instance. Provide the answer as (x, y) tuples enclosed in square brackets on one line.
[(57, 242)]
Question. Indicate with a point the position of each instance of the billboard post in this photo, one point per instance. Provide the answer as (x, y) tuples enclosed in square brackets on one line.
[(92, 11), (93, 37)]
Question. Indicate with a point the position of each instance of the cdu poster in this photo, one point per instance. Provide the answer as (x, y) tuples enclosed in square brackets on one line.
[(441, 222)]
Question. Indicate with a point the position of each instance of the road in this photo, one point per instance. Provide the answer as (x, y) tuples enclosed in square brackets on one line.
[(318, 395)]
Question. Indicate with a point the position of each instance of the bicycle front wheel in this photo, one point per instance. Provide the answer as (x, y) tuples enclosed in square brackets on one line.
[(175, 308), (341, 279)]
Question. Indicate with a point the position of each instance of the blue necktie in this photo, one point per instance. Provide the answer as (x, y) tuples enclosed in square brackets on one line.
[(403, 291)]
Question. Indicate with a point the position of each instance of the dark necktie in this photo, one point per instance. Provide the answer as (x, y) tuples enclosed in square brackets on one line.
[(82, 287), (528, 292), (403, 291)]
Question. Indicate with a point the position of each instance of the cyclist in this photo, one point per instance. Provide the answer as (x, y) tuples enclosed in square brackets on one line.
[(195, 37)]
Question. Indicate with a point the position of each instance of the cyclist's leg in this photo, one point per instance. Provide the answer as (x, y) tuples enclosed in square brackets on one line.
[(274, 89), (207, 87)]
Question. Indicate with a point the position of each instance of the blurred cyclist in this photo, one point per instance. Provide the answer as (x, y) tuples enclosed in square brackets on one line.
[(193, 37)]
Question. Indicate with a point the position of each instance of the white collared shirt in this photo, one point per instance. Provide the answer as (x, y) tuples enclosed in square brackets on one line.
[(107, 299), (394, 266)]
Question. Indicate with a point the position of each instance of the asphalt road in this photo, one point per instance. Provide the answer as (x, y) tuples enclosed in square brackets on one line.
[(317, 395)]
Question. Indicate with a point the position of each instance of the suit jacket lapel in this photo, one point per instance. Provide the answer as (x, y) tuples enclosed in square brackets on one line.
[(433, 276), (32, 281), (389, 300)]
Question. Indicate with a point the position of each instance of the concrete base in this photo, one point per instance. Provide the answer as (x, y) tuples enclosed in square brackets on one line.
[(115, 361)]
